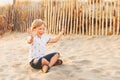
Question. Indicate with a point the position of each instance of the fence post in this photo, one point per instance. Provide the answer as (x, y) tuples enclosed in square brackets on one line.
[(13, 14), (118, 18)]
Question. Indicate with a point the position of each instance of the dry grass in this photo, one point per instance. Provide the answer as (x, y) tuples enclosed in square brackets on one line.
[(4, 25), (85, 18)]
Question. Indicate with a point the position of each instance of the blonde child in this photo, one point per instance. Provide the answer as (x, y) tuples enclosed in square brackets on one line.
[(38, 40)]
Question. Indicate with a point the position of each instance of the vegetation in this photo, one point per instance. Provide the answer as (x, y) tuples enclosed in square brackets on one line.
[(94, 17)]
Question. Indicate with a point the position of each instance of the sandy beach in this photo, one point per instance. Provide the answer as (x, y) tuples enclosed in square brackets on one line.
[(85, 58)]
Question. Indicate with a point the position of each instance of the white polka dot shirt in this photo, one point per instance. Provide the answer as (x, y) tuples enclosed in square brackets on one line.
[(38, 47)]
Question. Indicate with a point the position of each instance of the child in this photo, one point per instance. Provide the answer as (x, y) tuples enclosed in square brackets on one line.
[(38, 40)]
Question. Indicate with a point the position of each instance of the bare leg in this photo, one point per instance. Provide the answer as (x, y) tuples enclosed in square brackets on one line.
[(53, 60), (45, 62), (45, 68)]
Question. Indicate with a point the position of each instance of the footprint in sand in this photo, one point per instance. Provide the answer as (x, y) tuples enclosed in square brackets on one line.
[(72, 57), (1, 70), (99, 70), (85, 62), (117, 73), (3, 75), (4, 66), (81, 79), (78, 68), (16, 64)]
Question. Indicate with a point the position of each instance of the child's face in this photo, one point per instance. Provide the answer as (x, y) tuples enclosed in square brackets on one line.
[(39, 31)]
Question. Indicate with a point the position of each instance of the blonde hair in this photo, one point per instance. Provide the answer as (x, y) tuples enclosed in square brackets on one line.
[(37, 23)]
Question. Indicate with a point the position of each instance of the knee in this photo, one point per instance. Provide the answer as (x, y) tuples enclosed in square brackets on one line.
[(44, 61)]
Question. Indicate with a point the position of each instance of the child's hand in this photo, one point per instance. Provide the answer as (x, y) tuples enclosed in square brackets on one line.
[(30, 37), (30, 32)]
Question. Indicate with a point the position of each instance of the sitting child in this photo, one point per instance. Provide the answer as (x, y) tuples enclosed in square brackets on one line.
[(38, 40)]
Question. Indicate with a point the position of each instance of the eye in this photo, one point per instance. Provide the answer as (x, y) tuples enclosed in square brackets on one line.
[(39, 28), (43, 28)]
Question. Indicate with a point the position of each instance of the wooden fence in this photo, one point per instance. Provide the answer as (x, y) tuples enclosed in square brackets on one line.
[(94, 17)]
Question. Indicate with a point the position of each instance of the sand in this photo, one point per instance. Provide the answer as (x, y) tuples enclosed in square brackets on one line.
[(85, 58)]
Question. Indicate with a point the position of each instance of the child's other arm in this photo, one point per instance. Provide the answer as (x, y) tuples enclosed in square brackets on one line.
[(30, 37), (56, 38)]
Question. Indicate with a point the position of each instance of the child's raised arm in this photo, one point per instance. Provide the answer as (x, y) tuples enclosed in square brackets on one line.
[(30, 39), (56, 38)]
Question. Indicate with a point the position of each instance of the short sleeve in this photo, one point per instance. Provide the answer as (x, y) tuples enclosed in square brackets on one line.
[(46, 38)]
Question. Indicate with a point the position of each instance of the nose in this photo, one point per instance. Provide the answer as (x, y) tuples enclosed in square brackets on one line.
[(42, 31)]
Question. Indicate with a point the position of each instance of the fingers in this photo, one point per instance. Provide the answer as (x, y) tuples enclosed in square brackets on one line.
[(29, 31)]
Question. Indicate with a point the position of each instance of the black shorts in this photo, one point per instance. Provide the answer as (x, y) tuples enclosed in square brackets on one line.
[(38, 65)]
